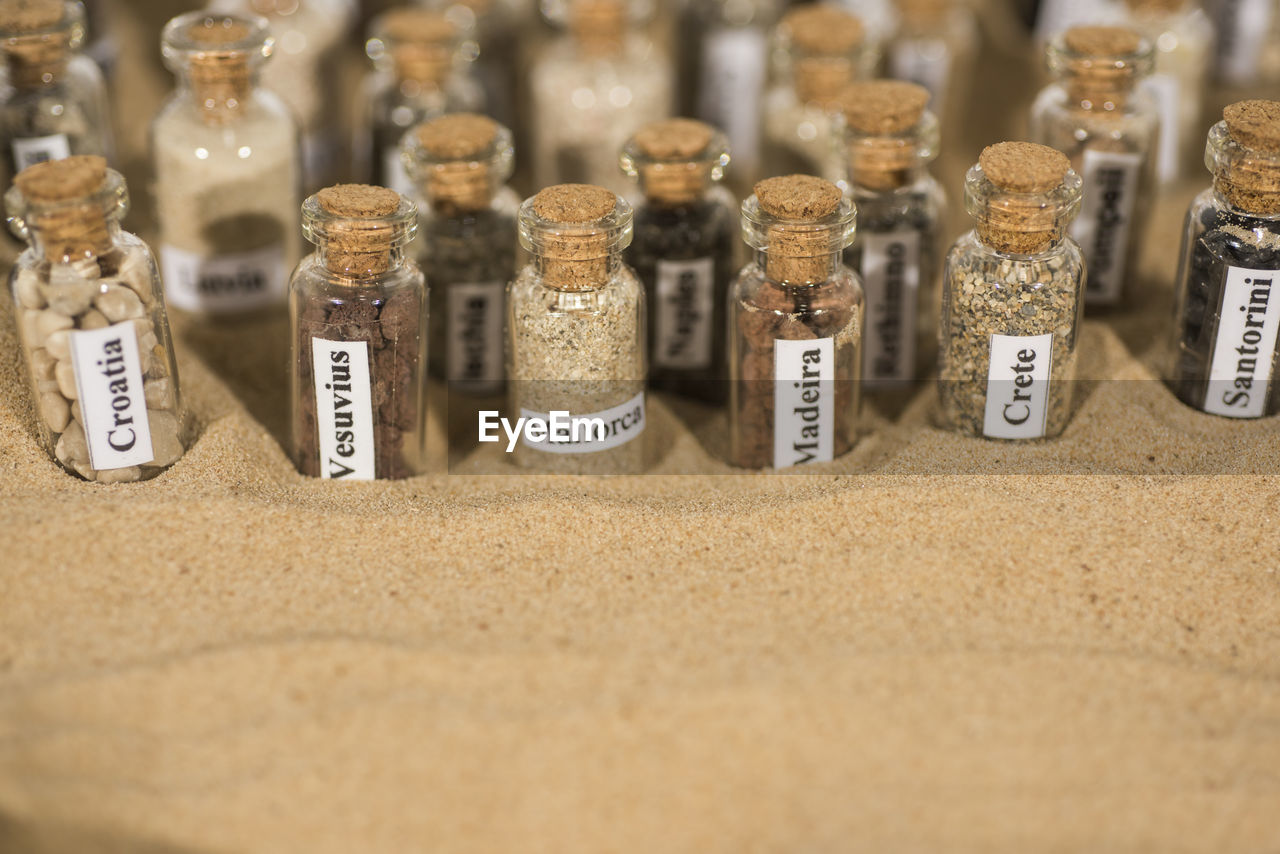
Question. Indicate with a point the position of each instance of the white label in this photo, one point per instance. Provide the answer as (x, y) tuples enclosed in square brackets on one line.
[(804, 402), (474, 332), (923, 61), (344, 409), (732, 78), (561, 432), (224, 283), (1243, 350), (38, 149), (891, 279), (1106, 213), (395, 173), (685, 302), (109, 385), (1018, 386), (1166, 91), (1243, 26)]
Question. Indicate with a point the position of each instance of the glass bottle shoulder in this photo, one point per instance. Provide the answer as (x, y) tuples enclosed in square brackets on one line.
[(622, 291), (1236, 237), (262, 120), (312, 281), (754, 291), (1059, 124), (1000, 269), (920, 204)]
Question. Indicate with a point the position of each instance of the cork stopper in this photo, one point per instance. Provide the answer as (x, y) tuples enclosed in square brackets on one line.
[(824, 41), (919, 14), (220, 67), (358, 244), (823, 29), (1018, 218), (880, 119), (574, 258), (674, 159), (29, 16), (1254, 124), (457, 136), (798, 250), (74, 224), (457, 149), (1250, 177), (38, 42), (1100, 65), (1156, 6), (420, 42), (599, 26)]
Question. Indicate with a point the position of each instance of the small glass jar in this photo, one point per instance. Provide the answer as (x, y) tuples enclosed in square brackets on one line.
[(1227, 293), (420, 74), (725, 51), (306, 72), (358, 312), (683, 251), (889, 139), (1107, 125), (55, 102), (591, 89), (576, 337), (795, 328), (1183, 37), (936, 46), (467, 243), (227, 172), (818, 51), (92, 326), (1012, 298), (492, 31)]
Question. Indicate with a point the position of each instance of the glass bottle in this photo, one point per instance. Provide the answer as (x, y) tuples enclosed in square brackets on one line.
[(92, 326), (576, 337), (492, 30), (936, 46), (1183, 38), (1098, 116), (1227, 293), (683, 251), (725, 53), (416, 54), (55, 102), (466, 244), (818, 51), (225, 158), (1012, 298), (591, 89), (358, 314), (306, 72), (890, 138), (795, 328)]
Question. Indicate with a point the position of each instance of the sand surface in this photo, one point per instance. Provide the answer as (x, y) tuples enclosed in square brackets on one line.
[(934, 644)]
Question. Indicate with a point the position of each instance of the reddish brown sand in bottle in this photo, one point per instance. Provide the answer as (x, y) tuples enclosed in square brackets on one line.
[(883, 655)]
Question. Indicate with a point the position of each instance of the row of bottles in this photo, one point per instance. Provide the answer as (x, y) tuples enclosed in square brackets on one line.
[(576, 319)]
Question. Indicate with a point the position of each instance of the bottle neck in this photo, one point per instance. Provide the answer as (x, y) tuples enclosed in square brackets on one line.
[(820, 80), (576, 275), (37, 65), (455, 189), (1099, 94), (220, 92), (73, 234), (671, 185), (1001, 236), (355, 263), (797, 270), (1249, 199)]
